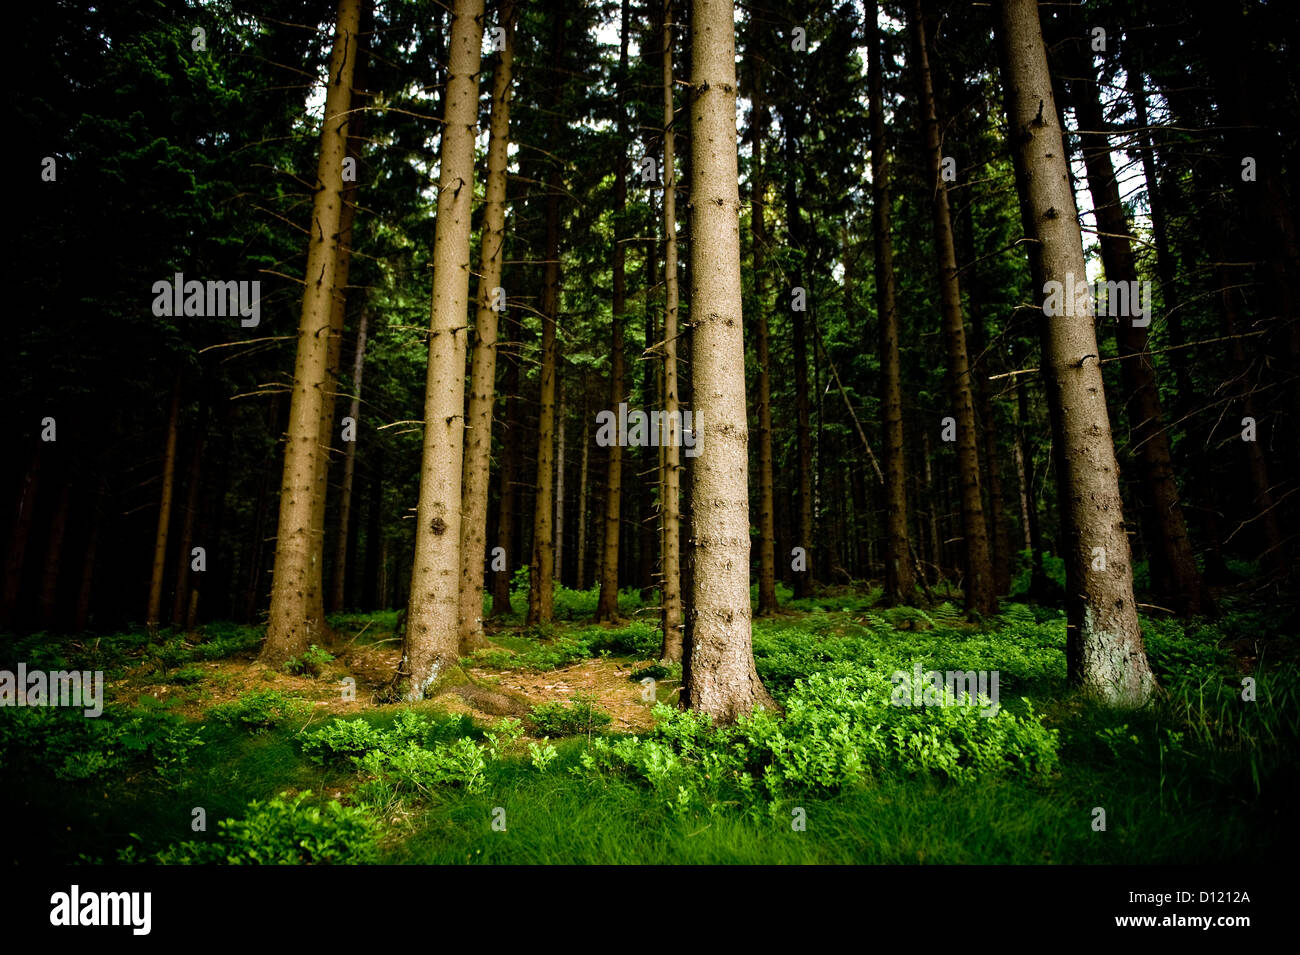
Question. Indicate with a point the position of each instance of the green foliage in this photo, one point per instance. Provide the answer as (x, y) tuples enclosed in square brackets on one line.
[(310, 663), (74, 747), (840, 729), (259, 710), (285, 830), (579, 715), (545, 651)]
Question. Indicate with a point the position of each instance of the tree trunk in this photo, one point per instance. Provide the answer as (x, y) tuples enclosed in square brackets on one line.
[(980, 596), (53, 553), (508, 491), (559, 476), (338, 589), (431, 644), (1174, 577), (81, 618), (718, 674), (541, 590), (194, 474), (581, 555), (482, 393), (669, 451), (900, 585), (1105, 655), (22, 533), (804, 579), (767, 602), (154, 614), (295, 621)]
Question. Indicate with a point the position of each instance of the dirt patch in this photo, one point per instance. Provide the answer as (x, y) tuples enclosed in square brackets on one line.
[(495, 694)]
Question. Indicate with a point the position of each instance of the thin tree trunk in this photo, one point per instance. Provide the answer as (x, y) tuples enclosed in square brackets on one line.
[(541, 591), (1037, 575), (581, 555), (22, 533), (652, 375), (295, 621), (804, 580), (181, 598), (979, 585), (607, 602), (900, 586), (559, 477), (1105, 656), (53, 552), (431, 644), (718, 674), (767, 602), (669, 451), (81, 618), (482, 394), (154, 613), (508, 491), (342, 549)]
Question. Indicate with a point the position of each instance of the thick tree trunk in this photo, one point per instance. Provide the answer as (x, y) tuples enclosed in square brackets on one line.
[(482, 393), (767, 602), (431, 645), (342, 544), (669, 450), (1105, 655), (154, 614), (718, 674), (1174, 577), (980, 596), (900, 586), (541, 590), (296, 620)]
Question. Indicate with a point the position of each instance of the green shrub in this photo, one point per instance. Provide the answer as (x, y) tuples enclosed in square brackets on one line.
[(260, 709), (310, 663), (285, 831), (581, 715)]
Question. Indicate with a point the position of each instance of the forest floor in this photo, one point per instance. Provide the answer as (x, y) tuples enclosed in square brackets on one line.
[(570, 732)]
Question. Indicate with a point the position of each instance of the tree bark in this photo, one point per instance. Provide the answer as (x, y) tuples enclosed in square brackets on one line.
[(16, 558), (980, 596), (431, 645), (669, 452), (1105, 655), (508, 491), (338, 589), (541, 590), (296, 620), (718, 674), (154, 613), (767, 602), (482, 394), (53, 554), (900, 585), (194, 474)]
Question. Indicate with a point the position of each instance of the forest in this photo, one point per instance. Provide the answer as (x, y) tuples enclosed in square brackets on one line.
[(652, 431)]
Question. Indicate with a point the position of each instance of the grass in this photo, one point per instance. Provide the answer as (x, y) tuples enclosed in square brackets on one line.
[(1200, 776)]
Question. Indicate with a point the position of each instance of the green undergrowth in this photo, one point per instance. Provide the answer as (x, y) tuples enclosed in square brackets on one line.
[(1203, 774)]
